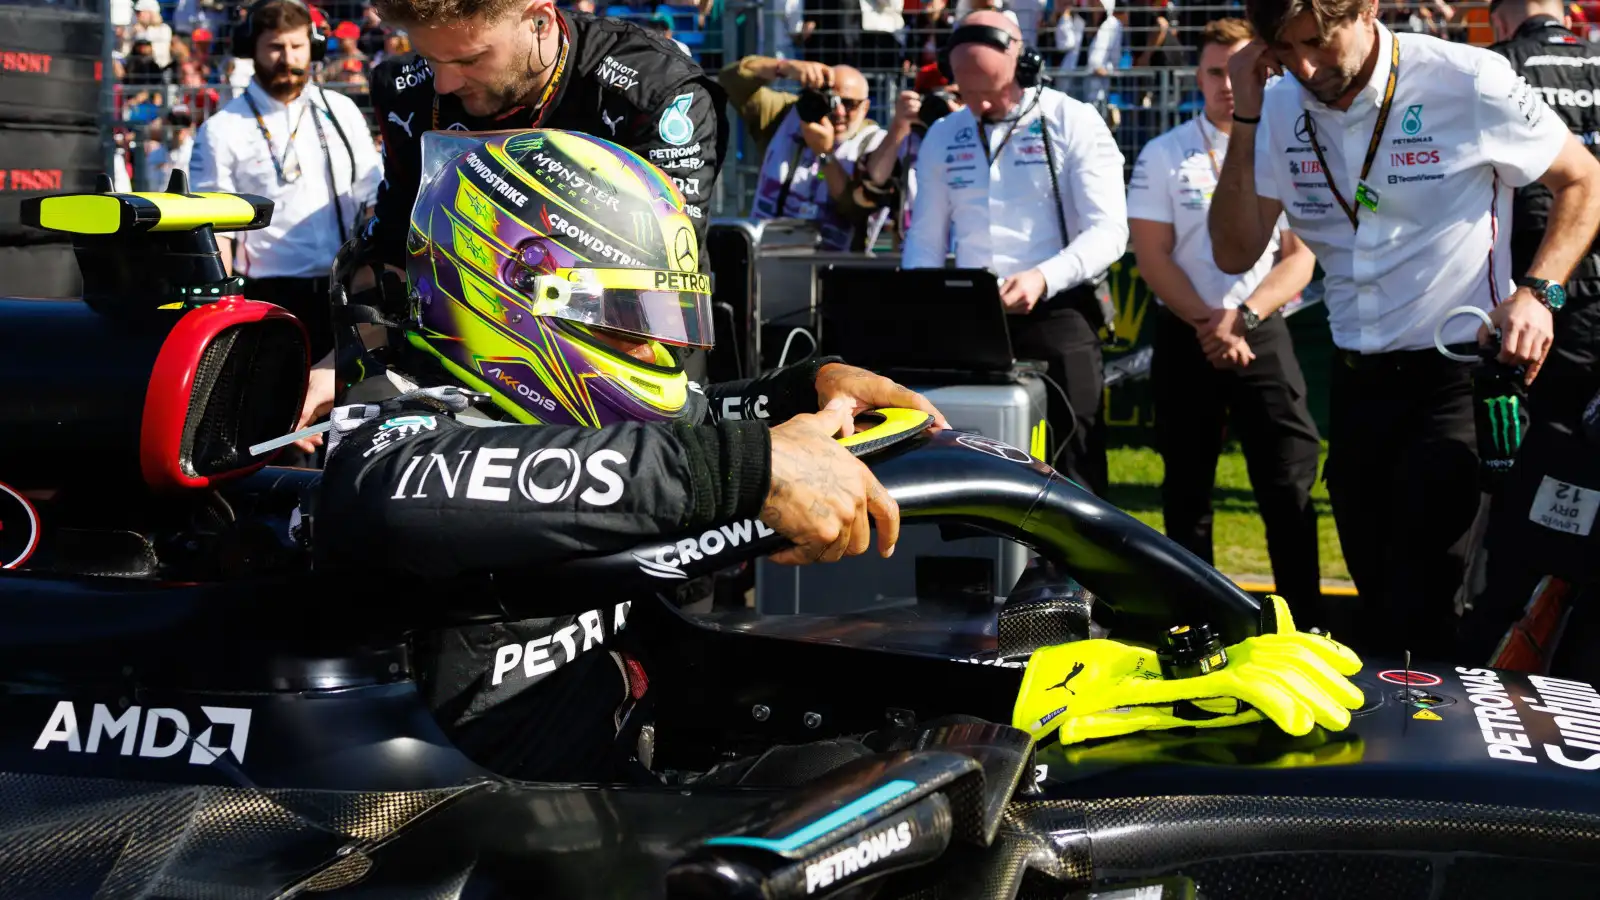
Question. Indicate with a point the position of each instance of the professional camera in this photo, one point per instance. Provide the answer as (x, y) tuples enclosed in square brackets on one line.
[(936, 104), (814, 105)]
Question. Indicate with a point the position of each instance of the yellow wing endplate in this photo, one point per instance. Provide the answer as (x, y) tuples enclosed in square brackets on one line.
[(108, 214), (894, 425)]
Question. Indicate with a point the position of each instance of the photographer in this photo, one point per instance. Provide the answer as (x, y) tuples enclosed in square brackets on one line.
[(890, 177), (809, 143)]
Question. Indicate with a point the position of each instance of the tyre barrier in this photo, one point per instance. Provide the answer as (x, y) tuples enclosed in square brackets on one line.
[(50, 66), (38, 160), (45, 269)]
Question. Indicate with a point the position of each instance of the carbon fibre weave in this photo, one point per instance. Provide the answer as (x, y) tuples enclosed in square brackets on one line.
[(1476, 878), (1025, 625), (967, 799), (244, 391), (1022, 852), (1144, 834), (71, 837), (1314, 876)]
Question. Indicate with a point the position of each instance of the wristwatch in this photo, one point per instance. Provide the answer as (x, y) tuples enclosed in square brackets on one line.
[(1248, 315), (1552, 295)]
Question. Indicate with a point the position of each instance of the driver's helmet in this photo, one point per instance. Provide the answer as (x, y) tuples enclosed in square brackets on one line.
[(527, 247)]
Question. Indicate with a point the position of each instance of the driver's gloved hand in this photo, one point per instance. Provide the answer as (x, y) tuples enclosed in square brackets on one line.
[(1101, 688)]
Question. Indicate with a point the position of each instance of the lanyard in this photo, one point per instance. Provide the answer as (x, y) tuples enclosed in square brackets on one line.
[(1015, 123), (1365, 196), (277, 164), (1210, 153), (544, 98)]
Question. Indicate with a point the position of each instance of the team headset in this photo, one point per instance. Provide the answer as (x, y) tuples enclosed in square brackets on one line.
[(244, 47), (244, 34), (1029, 63)]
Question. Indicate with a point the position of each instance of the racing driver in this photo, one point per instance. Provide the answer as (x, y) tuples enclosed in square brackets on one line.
[(590, 440)]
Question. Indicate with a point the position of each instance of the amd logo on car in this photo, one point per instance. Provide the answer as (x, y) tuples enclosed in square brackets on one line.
[(155, 740)]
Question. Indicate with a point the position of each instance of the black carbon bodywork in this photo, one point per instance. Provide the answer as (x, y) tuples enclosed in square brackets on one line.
[(265, 738)]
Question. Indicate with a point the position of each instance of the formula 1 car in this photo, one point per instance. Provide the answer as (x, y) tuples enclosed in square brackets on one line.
[(190, 710)]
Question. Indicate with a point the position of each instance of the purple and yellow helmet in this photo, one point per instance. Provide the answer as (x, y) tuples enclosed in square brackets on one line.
[(526, 247)]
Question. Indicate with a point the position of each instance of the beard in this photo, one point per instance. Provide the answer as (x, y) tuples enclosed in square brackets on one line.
[(521, 86), (284, 83), (1338, 83)]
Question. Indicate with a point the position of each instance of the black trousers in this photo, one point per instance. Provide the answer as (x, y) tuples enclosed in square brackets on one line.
[(1402, 473), (1265, 403), (1062, 337), (307, 298)]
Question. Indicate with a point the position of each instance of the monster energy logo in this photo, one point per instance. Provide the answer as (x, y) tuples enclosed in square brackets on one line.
[(1505, 423), (523, 143), (643, 224)]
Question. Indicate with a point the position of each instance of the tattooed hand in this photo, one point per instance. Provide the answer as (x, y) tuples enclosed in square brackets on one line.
[(856, 390), (822, 498)]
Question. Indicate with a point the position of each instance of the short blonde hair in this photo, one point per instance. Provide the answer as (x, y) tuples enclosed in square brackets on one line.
[(441, 12), (1226, 32)]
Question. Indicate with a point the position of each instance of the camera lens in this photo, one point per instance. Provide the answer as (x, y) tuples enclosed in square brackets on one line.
[(814, 106), (935, 106)]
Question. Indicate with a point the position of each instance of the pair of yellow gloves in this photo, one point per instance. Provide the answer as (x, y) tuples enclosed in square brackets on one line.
[(1101, 688)]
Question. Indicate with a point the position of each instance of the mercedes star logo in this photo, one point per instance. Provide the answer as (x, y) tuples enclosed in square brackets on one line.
[(683, 250)]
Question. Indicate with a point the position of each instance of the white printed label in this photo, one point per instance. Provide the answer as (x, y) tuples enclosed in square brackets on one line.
[(1564, 507)]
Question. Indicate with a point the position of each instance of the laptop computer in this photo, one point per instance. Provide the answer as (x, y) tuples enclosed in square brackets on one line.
[(922, 326)]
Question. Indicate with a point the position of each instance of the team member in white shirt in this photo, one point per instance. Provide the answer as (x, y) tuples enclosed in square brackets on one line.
[(306, 149), (1220, 344), (1394, 157), (1028, 183)]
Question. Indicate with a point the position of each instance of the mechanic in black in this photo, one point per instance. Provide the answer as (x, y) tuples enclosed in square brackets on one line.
[(496, 65), (1565, 69), (619, 447), (489, 65)]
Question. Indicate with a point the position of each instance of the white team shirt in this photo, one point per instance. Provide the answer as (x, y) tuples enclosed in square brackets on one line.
[(1463, 131), (231, 155), (1000, 214), (1172, 182)]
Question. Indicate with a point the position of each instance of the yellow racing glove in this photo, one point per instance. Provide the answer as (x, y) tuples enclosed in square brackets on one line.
[(1100, 688)]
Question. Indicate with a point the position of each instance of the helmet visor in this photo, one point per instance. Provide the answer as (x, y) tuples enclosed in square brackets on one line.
[(671, 307)]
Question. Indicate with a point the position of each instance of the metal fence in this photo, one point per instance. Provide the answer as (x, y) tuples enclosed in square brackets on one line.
[(1135, 64)]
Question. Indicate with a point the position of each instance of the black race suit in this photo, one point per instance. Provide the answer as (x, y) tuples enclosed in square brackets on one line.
[(542, 698), (1565, 69), (620, 82)]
